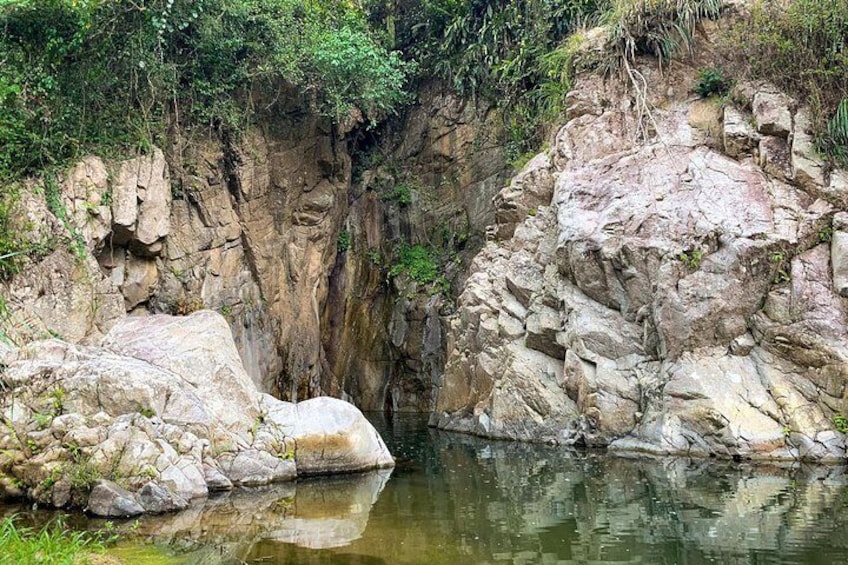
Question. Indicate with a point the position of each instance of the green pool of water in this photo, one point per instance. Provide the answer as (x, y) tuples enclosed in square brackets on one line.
[(456, 499)]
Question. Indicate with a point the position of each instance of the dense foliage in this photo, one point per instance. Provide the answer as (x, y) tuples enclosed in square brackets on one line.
[(495, 49), (80, 74), (803, 48)]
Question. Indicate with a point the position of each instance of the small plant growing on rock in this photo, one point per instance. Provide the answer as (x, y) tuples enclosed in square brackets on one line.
[(826, 234), (834, 140), (374, 256), (692, 259), (402, 194), (82, 475), (712, 82), (782, 274), (841, 423), (186, 305), (344, 241), (42, 419)]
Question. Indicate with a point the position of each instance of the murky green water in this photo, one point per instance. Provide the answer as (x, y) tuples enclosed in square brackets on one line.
[(456, 499)]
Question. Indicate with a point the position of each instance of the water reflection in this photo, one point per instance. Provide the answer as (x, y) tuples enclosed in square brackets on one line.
[(457, 499), (313, 514)]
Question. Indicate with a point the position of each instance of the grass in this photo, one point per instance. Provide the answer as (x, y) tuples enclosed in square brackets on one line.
[(655, 27), (53, 544)]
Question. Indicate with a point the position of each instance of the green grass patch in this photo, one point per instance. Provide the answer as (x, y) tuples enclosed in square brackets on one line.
[(53, 544)]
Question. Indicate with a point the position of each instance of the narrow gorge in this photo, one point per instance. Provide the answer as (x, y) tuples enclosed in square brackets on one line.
[(663, 273)]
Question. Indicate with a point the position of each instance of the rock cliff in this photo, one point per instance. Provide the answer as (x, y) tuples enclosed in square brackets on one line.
[(252, 227), (676, 292)]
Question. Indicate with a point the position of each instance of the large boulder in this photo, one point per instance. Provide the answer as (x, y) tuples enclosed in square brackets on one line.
[(330, 436), (164, 409)]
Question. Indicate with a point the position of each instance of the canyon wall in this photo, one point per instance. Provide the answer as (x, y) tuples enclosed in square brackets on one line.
[(668, 278), (252, 227)]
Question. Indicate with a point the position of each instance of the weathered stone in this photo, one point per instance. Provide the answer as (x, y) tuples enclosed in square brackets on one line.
[(184, 478), (680, 288), (742, 345), (200, 349), (773, 112), (154, 195), (531, 189), (140, 280), (166, 398), (544, 332), (251, 468), (739, 136), (332, 436), (807, 167), (157, 499), (839, 253), (109, 500), (706, 117), (215, 479), (55, 297), (775, 157), (84, 194)]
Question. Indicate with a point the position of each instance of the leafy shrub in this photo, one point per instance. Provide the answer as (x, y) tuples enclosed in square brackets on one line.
[(802, 47), (834, 141), (417, 261), (712, 82), (82, 74), (11, 245), (344, 241), (402, 194)]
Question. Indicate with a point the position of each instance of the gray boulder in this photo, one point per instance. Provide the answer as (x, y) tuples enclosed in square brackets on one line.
[(109, 500)]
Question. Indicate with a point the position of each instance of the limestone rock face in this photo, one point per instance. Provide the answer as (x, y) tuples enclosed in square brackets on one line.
[(668, 298), (165, 408)]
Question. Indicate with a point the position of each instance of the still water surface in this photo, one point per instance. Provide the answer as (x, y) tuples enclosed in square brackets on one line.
[(462, 500)]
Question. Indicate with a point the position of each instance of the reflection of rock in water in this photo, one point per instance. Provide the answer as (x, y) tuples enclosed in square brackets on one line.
[(331, 512), (588, 506)]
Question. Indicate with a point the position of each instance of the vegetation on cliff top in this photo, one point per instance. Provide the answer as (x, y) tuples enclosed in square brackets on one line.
[(89, 75), (80, 75), (802, 47)]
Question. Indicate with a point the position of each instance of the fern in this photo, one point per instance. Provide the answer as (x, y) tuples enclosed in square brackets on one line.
[(836, 138)]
